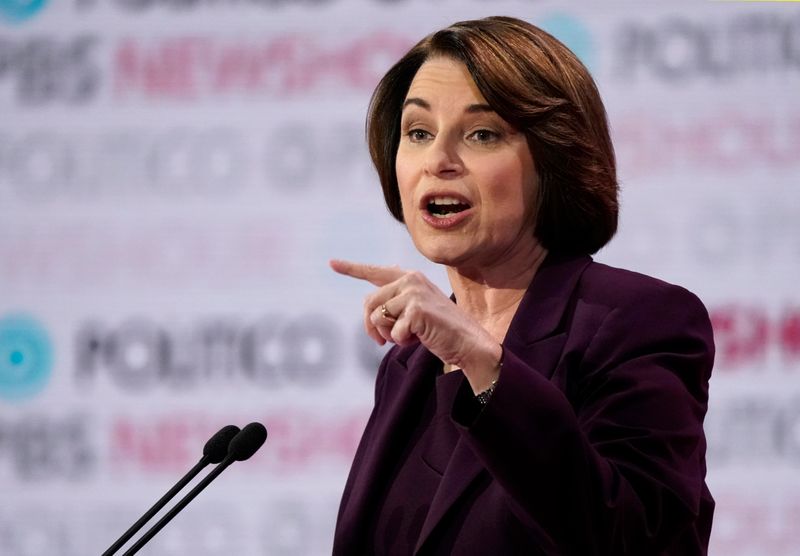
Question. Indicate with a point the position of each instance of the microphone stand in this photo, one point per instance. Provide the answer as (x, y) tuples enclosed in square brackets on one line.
[(148, 515), (214, 451), (179, 506), (241, 447)]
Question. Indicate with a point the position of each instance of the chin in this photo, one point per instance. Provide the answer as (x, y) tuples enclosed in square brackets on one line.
[(442, 248), (443, 260), (442, 254)]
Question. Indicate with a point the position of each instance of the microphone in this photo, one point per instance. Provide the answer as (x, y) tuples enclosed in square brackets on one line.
[(214, 451), (242, 446)]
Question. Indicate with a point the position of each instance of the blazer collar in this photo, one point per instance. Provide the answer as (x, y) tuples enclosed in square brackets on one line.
[(545, 301)]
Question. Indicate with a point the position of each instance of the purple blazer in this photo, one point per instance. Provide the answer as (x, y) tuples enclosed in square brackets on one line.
[(592, 443)]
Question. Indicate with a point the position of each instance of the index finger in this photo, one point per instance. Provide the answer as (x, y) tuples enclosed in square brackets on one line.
[(376, 275)]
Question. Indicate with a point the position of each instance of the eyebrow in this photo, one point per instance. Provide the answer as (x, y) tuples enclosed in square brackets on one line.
[(471, 109)]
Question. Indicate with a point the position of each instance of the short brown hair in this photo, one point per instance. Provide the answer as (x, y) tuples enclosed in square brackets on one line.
[(539, 86)]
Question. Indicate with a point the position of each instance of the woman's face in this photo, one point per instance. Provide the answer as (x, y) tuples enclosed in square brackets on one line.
[(467, 179)]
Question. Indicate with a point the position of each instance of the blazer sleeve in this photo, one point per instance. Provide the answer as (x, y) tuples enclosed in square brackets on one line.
[(615, 462)]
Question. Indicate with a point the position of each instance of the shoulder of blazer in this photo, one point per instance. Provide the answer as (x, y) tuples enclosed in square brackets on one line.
[(620, 289)]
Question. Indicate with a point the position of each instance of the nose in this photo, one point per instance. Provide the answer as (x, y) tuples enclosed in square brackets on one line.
[(442, 159)]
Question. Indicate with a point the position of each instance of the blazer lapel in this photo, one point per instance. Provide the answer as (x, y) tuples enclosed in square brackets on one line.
[(406, 387), (462, 470), (544, 303), (533, 336)]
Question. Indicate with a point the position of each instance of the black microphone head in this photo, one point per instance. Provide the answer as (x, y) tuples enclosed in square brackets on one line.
[(217, 446), (247, 442)]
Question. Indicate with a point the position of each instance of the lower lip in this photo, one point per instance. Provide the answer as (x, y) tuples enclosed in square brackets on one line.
[(448, 222)]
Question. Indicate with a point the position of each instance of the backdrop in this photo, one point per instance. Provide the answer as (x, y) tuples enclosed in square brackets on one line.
[(175, 175)]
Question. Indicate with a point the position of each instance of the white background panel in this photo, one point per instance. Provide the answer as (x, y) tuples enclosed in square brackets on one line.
[(175, 175)]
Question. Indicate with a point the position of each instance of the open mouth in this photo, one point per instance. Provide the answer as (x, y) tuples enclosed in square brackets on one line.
[(445, 207)]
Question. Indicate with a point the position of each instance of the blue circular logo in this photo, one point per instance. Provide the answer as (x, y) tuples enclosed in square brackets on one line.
[(26, 357), (572, 32), (20, 10)]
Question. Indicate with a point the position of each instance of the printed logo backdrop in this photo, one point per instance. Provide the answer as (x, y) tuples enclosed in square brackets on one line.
[(174, 177)]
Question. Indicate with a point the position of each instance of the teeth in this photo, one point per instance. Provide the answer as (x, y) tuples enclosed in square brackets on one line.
[(445, 201)]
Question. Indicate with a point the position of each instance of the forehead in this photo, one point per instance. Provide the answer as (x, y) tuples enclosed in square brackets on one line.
[(444, 79)]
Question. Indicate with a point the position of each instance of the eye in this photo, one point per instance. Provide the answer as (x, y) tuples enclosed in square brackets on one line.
[(484, 136), (418, 135)]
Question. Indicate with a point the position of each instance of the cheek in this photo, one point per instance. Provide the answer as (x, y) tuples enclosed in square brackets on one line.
[(512, 194), (511, 200)]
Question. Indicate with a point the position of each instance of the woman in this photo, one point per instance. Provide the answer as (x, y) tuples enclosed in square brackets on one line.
[(553, 405)]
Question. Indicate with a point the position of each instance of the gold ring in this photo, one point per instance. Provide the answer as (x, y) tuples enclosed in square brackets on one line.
[(386, 314)]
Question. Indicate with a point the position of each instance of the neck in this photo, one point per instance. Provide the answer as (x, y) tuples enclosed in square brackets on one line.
[(491, 294)]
